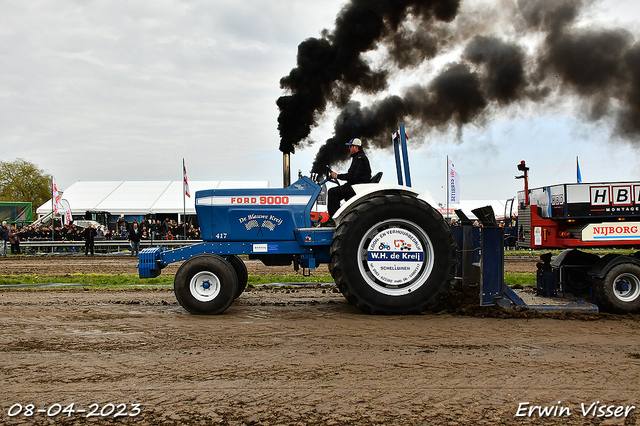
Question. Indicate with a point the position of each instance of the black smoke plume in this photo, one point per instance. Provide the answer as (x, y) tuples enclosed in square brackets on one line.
[(329, 69), (599, 67)]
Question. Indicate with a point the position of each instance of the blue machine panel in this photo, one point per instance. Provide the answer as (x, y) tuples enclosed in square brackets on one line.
[(265, 224), (492, 281), (314, 236), (262, 214), (148, 262), (232, 248)]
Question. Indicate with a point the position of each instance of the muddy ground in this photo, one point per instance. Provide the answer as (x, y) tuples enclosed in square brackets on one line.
[(124, 264), (298, 357)]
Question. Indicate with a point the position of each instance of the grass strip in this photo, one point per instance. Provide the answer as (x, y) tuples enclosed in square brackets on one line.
[(522, 278), (537, 252), (131, 280), (88, 280)]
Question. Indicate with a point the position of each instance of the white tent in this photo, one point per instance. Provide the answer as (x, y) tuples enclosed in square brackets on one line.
[(138, 197), (426, 196), (468, 205)]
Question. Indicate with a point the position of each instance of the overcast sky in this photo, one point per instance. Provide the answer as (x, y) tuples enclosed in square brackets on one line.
[(123, 90)]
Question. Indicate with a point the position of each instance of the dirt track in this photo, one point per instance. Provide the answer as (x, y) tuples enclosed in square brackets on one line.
[(303, 357), (123, 264)]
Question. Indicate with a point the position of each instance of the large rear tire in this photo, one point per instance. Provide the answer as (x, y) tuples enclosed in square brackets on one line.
[(619, 290), (205, 284), (393, 254)]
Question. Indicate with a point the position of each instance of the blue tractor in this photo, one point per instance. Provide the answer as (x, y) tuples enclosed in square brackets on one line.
[(389, 253)]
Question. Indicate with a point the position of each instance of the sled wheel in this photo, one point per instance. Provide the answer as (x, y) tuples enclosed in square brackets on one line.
[(619, 290), (575, 277), (241, 272), (393, 254), (205, 284)]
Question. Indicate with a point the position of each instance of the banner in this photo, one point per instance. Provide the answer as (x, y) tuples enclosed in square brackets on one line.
[(56, 195), (454, 184), (66, 217), (186, 184), (579, 175)]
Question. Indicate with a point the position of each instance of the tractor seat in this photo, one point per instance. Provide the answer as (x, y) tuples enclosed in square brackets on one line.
[(376, 178)]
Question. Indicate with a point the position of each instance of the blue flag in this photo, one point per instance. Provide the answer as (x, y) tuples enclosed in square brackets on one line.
[(579, 176)]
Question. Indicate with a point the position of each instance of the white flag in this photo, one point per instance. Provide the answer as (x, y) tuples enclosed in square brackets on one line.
[(454, 184), (186, 184), (56, 195), (67, 212)]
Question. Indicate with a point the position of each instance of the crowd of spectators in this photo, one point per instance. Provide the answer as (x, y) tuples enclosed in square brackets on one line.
[(164, 230), (456, 222), (151, 229)]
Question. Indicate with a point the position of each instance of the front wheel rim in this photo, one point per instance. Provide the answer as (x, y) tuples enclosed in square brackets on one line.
[(395, 257), (626, 287), (204, 286)]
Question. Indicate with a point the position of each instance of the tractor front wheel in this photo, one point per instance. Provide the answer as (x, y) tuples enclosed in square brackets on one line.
[(206, 284), (241, 272)]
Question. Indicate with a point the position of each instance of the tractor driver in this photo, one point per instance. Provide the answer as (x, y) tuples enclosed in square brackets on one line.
[(359, 172)]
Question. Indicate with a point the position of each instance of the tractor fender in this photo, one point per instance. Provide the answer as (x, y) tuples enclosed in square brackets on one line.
[(610, 260), (366, 191)]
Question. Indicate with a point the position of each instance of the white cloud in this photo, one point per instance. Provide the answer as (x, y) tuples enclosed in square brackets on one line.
[(109, 90)]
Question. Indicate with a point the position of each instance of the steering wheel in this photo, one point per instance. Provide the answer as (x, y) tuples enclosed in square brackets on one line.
[(329, 178)]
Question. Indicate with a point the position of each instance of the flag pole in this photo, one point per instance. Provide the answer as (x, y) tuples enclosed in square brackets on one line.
[(184, 201), (447, 186), (52, 227)]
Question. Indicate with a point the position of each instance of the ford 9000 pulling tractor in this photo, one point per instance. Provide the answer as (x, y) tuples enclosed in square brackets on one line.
[(389, 253)]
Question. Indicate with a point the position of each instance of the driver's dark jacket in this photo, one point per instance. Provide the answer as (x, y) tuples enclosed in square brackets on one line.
[(359, 170)]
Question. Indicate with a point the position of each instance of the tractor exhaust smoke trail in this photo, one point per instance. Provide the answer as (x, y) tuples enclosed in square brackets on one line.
[(598, 67), (332, 67)]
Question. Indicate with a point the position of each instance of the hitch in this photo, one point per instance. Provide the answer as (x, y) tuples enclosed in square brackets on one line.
[(149, 262), (493, 289)]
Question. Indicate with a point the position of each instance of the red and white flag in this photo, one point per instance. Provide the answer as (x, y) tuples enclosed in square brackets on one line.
[(67, 217), (184, 177), (56, 195)]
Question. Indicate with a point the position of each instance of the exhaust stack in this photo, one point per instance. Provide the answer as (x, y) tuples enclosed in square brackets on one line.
[(286, 168)]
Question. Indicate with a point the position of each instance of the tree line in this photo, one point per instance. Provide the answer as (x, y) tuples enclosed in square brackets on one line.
[(21, 180)]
